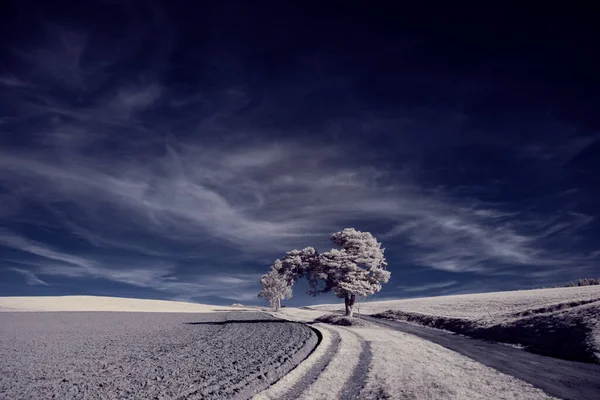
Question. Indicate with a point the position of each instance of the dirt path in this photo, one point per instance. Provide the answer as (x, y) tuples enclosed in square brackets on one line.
[(378, 363), (358, 379), (561, 378)]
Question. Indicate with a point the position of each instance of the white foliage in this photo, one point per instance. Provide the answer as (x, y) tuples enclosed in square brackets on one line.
[(275, 286), (358, 268), (299, 263)]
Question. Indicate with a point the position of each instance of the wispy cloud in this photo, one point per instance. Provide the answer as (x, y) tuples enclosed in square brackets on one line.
[(30, 277), (431, 286), (132, 166), (133, 99), (12, 81), (258, 201), (561, 151), (10, 240), (50, 262)]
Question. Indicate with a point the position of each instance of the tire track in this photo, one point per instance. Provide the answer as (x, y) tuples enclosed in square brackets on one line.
[(358, 379), (333, 378), (352, 355), (278, 391), (309, 378)]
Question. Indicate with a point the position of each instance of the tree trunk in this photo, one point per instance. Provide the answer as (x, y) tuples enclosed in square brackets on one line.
[(277, 304), (349, 302)]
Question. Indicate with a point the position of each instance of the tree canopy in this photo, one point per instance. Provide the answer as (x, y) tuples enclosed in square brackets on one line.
[(275, 286), (357, 267)]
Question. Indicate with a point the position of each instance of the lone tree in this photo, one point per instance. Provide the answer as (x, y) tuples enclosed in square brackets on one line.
[(357, 267), (275, 287)]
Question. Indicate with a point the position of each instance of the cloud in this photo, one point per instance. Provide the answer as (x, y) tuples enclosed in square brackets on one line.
[(560, 151), (132, 99), (12, 81), (7, 239), (56, 57), (158, 276), (431, 286), (30, 277), (266, 198), (203, 173), (485, 241)]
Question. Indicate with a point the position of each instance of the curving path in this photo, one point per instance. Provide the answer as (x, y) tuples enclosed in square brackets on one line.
[(560, 378), (335, 370), (374, 362)]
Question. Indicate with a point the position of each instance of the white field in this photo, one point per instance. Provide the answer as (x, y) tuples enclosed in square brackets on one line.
[(402, 366), (99, 303), (408, 367), (496, 305)]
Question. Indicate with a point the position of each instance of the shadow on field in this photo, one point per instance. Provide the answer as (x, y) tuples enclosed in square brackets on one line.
[(562, 334), (257, 310), (242, 321)]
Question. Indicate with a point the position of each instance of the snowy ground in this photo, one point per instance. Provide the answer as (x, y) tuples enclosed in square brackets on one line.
[(100, 355), (497, 306), (218, 355), (376, 363), (99, 303), (561, 322)]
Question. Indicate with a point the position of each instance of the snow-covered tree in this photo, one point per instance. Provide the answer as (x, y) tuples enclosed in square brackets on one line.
[(275, 286), (356, 268), (299, 263)]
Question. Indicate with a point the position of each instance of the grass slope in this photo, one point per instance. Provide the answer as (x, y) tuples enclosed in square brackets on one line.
[(560, 322), (101, 303)]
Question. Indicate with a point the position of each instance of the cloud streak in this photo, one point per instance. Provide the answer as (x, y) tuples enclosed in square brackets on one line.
[(149, 181), (30, 277), (428, 287), (50, 262), (257, 201)]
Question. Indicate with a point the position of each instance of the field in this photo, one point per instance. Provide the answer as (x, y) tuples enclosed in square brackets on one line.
[(75, 355), (176, 355), (99, 351), (100, 303), (561, 322)]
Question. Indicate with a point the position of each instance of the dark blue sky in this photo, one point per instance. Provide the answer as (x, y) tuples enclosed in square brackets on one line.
[(175, 149)]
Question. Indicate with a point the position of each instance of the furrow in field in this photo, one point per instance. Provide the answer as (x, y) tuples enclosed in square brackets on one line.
[(332, 380), (261, 372), (359, 376), (146, 355), (293, 384)]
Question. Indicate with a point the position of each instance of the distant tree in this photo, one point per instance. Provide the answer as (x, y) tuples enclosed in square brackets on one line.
[(356, 268), (584, 282), (275, 286)]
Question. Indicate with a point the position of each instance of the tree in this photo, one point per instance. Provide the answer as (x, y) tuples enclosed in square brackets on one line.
[(298, 264), (275, 286), (356, 268)]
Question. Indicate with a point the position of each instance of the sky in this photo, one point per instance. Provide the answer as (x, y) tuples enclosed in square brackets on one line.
[(174, 150)]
